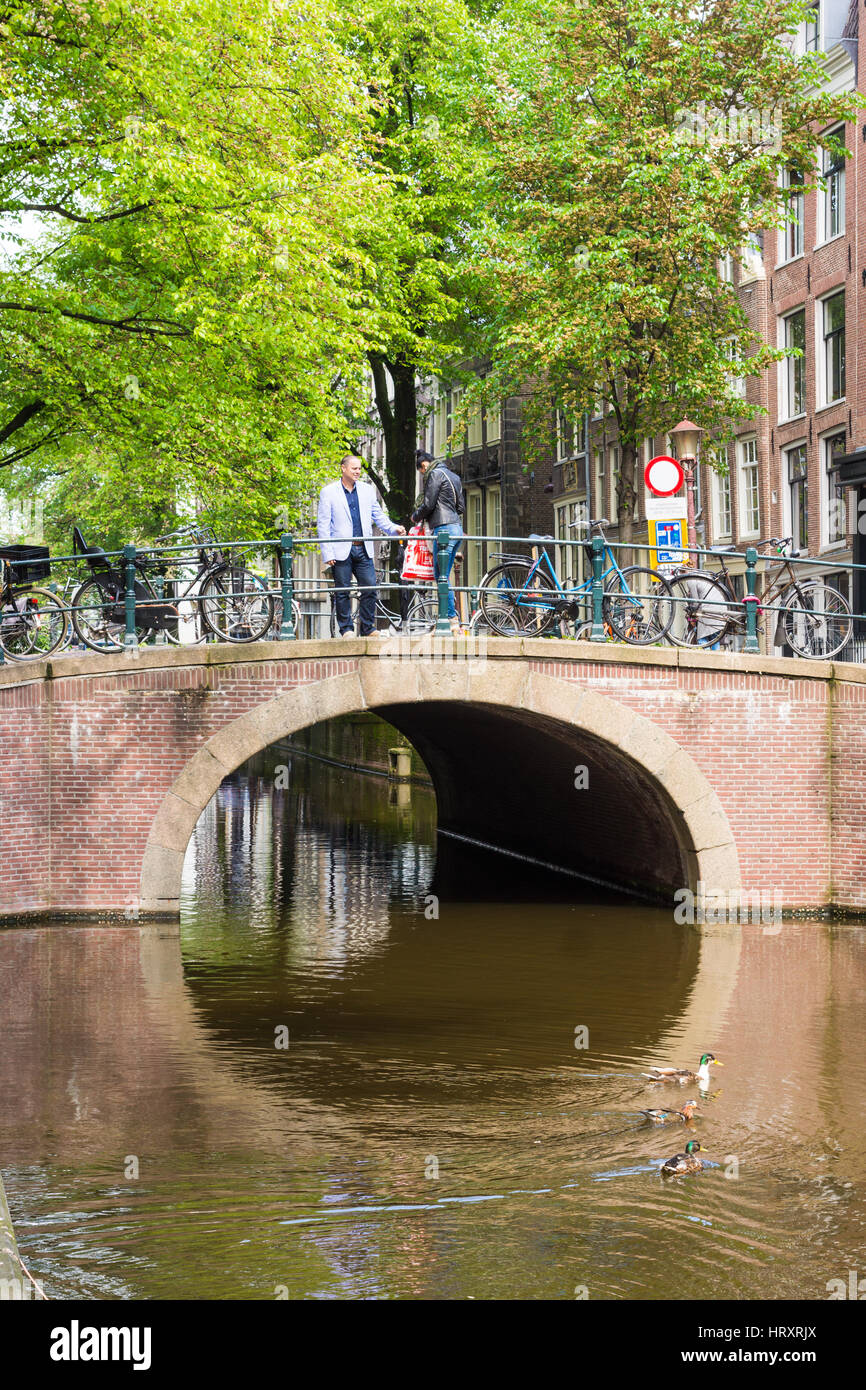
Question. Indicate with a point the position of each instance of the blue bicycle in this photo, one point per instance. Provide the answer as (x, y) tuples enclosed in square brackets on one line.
[(523, 597)]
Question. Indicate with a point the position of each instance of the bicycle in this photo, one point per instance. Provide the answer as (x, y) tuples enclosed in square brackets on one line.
[(421, 610), (523, 597), (813, 619), (33, 621), (222, 598)]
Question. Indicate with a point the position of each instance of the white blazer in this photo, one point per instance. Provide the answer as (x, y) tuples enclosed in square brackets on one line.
[(334, 522)]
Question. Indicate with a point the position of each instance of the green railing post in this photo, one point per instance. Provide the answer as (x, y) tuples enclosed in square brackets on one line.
[(443, 540), (751, 602), (287, 626), (598, 633), (130, 638)]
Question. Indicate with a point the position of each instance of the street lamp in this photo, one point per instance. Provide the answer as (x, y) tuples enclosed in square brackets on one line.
[(687, 435)]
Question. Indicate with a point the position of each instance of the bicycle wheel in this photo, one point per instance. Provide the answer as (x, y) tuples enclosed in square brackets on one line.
[(638, 606), (816, 620), (236, 604), (703, 610), (32, 625), (421, 613), (99, 620), (515, 605)]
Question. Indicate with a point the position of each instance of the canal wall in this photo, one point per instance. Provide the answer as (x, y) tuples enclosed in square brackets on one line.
[(11, 1275)]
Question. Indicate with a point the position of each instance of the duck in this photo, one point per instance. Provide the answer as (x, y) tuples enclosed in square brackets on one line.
[(681, 1074), (687, 1162), (668, 1117)]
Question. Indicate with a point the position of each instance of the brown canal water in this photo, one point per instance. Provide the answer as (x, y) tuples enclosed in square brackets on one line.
[(431, 1130)]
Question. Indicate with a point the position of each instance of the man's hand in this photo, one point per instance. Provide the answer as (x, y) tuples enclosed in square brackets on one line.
[(401, 531)]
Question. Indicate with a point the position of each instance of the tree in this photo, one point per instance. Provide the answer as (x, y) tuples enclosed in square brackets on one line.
[(421, 59), (638, 141), (186, 326)]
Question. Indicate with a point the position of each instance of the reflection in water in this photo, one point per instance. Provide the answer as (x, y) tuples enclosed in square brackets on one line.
[(431, 1130)]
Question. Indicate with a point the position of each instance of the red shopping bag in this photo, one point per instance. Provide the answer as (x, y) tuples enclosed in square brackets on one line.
[(418, 561)]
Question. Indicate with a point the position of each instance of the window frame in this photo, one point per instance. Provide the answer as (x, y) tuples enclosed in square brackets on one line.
[(746, 465), (834, 167), (826, 348)]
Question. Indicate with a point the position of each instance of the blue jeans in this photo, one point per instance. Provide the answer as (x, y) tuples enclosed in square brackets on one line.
[(357, 562), (453, 528)]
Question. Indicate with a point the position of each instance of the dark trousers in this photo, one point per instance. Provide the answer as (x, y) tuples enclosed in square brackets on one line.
[(359, 564)]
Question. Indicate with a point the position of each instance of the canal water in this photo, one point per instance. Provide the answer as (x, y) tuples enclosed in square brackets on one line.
[(339, 1083)]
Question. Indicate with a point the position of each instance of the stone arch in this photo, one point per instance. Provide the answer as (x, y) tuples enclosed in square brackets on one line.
[(708, 847)]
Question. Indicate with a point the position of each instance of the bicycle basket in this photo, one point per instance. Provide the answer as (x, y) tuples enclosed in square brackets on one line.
[(29, 563), (205, 538)]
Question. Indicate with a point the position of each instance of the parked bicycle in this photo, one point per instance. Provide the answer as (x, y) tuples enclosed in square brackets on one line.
[(419, 609), (222, 597), (524, 597), (813, 619), (33, 622)]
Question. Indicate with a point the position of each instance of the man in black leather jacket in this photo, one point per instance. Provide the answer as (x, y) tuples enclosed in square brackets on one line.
[(442, 507)]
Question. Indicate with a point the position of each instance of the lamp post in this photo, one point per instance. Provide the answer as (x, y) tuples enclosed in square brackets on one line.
[(687, 435)]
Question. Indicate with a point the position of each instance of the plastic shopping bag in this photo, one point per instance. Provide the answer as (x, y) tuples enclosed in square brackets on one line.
[(418, 561)]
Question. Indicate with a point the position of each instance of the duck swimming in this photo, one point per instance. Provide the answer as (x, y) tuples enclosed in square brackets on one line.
[(667, 1117), (687, 1162), (681, 1075)]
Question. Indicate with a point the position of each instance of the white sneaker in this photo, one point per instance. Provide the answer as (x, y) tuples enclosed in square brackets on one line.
[(378, 634), (347, 634)]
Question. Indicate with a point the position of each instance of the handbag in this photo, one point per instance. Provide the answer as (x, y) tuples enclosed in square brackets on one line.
[(418, 560)]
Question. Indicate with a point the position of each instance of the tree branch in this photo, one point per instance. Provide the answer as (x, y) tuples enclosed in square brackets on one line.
[(147, 328), (20, 420)]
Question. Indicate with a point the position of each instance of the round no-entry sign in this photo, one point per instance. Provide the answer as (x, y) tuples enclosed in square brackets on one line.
[(663, 475)]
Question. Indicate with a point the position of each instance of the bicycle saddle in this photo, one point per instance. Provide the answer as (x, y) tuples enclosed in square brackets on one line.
[(602, 521), (542, 538), (722, 549)]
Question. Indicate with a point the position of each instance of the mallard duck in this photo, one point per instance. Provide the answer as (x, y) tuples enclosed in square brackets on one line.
[(687, 1162), (668, 1117), (681, 1075)]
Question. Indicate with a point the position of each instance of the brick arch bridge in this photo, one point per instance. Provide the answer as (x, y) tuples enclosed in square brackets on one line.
[(739, 772)]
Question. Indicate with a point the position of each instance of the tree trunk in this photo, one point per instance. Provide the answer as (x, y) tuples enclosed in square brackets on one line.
[(399, 422), (626, 494)]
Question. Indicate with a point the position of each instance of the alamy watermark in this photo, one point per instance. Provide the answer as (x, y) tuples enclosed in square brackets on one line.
[(433, 646), (747, 125), (728, 906), (22, 516)]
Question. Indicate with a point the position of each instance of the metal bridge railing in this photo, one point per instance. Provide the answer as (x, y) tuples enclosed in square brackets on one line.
[(287, 547)]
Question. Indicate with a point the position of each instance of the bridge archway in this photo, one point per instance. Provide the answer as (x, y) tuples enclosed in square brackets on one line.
[(459, 713)]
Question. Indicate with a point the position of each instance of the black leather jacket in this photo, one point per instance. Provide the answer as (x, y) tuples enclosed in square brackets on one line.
[(443, 498)]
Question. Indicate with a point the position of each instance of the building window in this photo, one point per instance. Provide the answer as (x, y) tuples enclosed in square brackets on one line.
[(835, 527), (831, 198), (750, 509), (493, 422), (565, 445), (798, 495), (721, 496), (599, 484), (474, 427), (726, 268), (614, 483), (736, 384), (791, 235), (794, 368), (833, 311), (494, 512), (475, 550), (813, 30)]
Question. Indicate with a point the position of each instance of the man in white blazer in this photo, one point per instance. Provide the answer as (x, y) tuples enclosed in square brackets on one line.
[(348, 511)]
